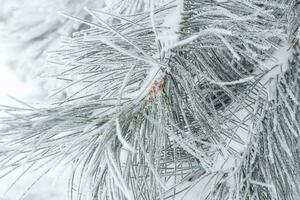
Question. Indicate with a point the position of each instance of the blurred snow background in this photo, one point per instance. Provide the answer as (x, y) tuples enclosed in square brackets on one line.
[(50, 187), (53, 185)]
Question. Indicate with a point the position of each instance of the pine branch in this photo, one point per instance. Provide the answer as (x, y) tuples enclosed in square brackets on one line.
[(147, 119)]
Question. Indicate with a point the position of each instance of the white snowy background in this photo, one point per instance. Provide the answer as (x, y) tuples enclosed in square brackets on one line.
[(53, 185)]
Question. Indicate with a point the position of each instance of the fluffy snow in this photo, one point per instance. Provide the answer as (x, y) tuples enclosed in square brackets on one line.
[(277, 65), (170, 36)]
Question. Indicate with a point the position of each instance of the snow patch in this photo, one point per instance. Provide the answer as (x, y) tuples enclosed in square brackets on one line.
[(169, 35), (277, 65)]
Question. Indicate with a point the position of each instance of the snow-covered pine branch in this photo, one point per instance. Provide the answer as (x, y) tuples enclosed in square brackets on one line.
[(152, 117)]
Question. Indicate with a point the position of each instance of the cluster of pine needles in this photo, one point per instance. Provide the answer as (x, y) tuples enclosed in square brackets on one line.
[(214, 112)]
